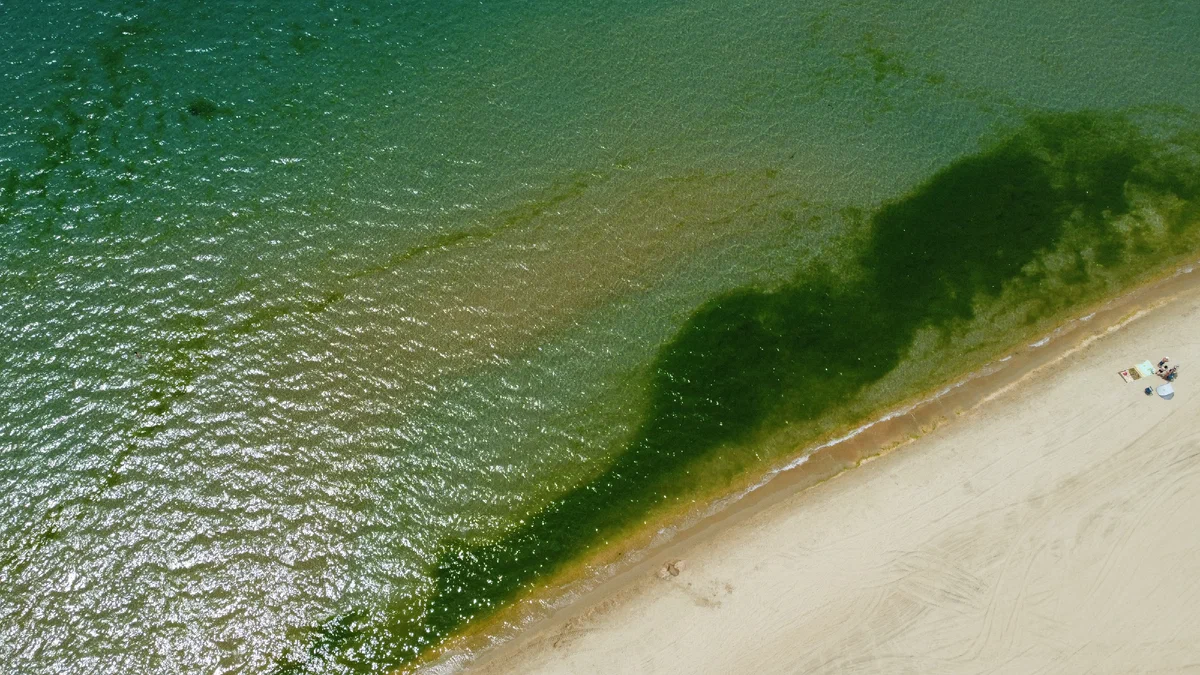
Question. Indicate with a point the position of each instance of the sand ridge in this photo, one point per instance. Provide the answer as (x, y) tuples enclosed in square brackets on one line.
[(1053, 532)]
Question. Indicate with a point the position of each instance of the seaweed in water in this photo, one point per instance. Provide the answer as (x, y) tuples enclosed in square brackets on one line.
[(754, 359), (204, 108)]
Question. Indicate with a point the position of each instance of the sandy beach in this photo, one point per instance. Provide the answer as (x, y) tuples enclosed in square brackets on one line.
[(1051, 529)]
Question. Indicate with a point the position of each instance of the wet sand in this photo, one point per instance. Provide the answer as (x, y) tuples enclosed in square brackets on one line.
[(1049, 527)]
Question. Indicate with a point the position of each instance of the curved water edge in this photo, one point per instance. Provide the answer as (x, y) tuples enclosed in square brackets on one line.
[(298, 299), (592, 584), (1060, 212)]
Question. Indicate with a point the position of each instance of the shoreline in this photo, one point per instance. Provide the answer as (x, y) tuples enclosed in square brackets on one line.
[(619, 578), (762, 373)]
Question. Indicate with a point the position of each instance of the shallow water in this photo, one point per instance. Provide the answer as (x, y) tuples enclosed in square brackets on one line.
[(296, 294)]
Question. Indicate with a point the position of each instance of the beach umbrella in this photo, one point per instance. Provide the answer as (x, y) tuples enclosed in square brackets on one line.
[(1166, 390)]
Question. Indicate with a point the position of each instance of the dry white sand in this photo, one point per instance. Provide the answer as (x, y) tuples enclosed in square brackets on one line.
[(1057, 530)]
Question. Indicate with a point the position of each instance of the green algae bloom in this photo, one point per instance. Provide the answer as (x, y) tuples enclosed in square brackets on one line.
[(1063, 202)]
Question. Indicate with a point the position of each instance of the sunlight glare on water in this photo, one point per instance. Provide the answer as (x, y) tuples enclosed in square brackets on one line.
[(294, 294)]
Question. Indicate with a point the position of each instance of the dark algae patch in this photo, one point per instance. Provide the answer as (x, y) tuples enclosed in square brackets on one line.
[(1061, 211), (205, 109)]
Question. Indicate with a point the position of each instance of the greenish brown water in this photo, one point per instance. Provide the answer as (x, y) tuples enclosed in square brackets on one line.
[(334, 327)]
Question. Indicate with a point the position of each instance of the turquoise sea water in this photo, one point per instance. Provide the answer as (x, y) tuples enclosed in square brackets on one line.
[(328, 326)]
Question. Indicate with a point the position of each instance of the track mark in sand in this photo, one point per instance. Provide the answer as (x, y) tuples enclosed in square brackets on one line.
[(707, 597), (702, 598), (1187, 459), (992, 608), (893, 614), (935, 579), (1147, 500), (977, 478), (1017, 608), (569, 633)]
